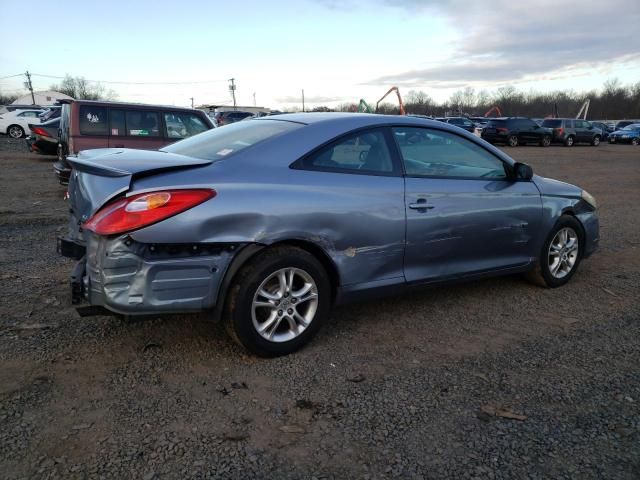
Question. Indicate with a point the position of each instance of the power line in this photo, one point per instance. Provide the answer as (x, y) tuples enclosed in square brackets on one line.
[(12, 76), (118, 82)]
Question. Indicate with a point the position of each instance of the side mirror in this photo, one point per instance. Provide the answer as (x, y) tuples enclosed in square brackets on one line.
[(522, 171)]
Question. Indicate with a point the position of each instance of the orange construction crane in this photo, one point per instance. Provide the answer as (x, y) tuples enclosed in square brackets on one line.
[(493, 109), (393, 89)]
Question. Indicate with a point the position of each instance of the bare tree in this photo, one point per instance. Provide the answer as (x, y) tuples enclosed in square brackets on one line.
[(82, 89)]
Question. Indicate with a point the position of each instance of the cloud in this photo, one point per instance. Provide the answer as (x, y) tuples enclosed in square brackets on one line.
[(312, 99), (507, 41)]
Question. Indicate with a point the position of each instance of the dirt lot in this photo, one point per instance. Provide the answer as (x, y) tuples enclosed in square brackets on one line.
[(402, 387)]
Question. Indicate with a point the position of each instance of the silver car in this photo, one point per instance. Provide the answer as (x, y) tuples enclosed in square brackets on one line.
[(270, 222)]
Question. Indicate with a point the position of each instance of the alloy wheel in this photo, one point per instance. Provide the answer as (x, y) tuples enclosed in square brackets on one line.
[(284, 304), (15, 132), (563, 252)]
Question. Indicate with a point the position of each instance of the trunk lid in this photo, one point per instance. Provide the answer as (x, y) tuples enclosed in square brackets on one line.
[(101, 174)]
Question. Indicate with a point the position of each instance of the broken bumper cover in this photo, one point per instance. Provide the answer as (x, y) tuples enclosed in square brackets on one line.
[(131, 278)]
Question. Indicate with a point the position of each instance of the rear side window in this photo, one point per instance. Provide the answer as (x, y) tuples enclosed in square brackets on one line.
[(552, 123), (496, 123), (142, 123), (183, 125), (363, 152), (219, 143), (117, 125), (93, 120)]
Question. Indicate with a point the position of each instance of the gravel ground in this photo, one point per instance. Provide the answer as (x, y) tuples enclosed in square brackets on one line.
[(493, 379)]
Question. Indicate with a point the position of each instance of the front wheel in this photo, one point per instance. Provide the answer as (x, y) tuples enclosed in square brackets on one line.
[(546, 141), (560, 255), (278, 301), (596, 141), (512, 141), (635, 141), (15, 131)]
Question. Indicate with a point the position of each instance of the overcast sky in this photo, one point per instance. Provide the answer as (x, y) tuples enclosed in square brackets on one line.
[(338, 51)]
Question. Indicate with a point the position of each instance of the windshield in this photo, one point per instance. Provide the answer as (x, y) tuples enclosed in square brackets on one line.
[(224, 141)]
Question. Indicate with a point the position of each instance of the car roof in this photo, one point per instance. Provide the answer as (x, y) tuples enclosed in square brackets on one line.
[(354, 120)]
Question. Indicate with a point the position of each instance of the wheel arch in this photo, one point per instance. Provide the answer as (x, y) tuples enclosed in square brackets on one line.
[(250, 251)]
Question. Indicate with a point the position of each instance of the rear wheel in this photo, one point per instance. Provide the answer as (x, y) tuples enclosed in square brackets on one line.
[(512, 141), (278, 302), (546, 141), (569, 141), (15, 131), (635, 141), (560, 255), (596, 141)]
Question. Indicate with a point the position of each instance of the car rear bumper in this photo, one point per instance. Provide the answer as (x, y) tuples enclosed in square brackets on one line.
[(62, 171), (494, 137), (131, 278)]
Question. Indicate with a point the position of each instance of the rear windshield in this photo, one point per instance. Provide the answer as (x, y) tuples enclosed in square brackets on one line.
[(552, 123), (224, 141), (496, 123), (634, 126)]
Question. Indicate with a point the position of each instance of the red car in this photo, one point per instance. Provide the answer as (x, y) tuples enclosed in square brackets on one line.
[(87, 124)]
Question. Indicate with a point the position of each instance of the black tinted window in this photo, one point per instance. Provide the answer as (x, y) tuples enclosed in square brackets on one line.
[(363, 152), (496, 123), (434, 153), (117, 125), (93, 120), (552, 123), (142, 123)]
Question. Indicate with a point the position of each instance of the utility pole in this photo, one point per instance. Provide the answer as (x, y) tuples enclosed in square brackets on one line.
[(303, 99), (232, 89), (191, 101), (28, 85), (254, 99)]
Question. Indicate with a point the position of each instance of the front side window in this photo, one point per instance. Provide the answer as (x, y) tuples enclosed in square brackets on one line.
[(434, 153), (362, 152), (28, 114), (183, 125), (93, 120), (142, 123)]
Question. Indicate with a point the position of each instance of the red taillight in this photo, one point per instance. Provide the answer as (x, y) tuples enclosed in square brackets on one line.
[(40, 131), (501, 130), (144, 209), (560, 131)]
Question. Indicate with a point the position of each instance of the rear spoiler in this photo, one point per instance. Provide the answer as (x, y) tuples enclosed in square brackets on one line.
[(95, 168)]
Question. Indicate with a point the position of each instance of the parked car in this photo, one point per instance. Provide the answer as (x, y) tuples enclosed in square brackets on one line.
[(225, 118), (461, 122), (623, 123), (44, 137), (570, 131), (516, 131), (86, 124), (50, 113), (16, 123), (604, 128), (268, 223), (629, 134)]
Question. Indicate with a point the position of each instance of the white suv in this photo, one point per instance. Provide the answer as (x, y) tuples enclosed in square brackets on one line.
[(16, 123)]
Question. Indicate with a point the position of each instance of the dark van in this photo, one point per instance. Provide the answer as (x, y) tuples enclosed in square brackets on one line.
[(87, 124)]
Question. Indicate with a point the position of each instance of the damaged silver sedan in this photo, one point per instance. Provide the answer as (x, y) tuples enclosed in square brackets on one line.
[(270, 222)]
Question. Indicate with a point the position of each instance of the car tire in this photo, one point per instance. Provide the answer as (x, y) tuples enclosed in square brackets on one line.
[(559, 259), (15, 131), (635, 141), (596, 141), (569, 141), (512, 141), (283, 320), (545, 141)]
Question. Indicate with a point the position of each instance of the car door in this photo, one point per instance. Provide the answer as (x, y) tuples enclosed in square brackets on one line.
[(27, 117), (465, 215)]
